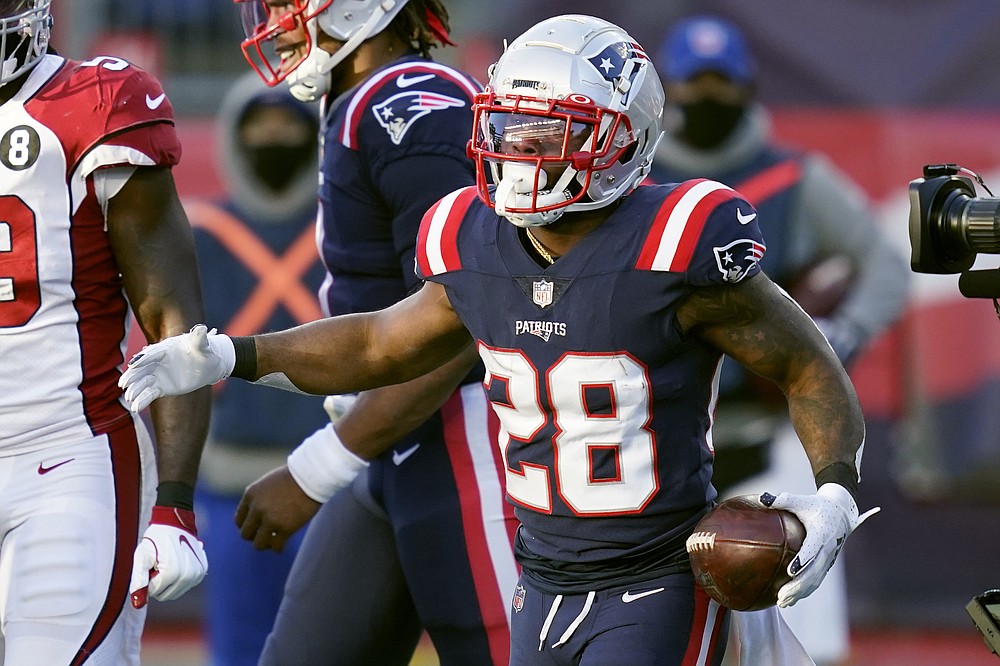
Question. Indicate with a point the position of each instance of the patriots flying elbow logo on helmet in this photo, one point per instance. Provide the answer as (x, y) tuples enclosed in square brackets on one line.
[(398, 113), (738, 258), (611, 61)]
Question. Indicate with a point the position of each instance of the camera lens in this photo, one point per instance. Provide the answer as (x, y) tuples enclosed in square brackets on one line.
[(979, 224)]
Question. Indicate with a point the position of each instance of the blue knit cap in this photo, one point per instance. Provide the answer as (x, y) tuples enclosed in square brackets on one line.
[(705, 44)]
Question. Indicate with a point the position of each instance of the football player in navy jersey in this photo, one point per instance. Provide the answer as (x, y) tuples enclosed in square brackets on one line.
[(437, 534), (602, 312)]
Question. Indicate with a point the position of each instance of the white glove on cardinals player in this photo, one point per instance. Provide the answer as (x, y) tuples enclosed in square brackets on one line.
[(170, 559), (177, 365), (829, 517)]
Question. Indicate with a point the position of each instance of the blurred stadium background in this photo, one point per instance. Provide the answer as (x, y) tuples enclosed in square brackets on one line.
[(883, 88)]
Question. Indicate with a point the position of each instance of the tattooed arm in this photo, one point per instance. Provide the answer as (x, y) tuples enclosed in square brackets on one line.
[(761, 327), (756, 324)]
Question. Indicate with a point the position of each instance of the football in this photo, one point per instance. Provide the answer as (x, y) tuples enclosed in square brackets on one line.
[(821, 287), (740, 552)]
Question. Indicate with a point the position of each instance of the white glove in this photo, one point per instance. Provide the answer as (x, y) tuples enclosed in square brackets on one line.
[(829, 517), (177, 365), (170, 559)]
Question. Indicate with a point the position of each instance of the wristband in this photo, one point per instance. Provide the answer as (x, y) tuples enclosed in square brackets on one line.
[(245, 365), (841, 474), (321, 465), (175, 494)]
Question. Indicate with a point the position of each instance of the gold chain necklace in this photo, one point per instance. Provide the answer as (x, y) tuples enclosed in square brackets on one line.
[(539, 248)]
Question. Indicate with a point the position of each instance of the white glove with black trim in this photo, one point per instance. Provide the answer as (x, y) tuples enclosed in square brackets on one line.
[(177, 365), (829, 517), (170, 559)]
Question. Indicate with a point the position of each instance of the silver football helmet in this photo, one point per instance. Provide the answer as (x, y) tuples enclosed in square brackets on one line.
[(569, 121), (349, 21), (25, 26)]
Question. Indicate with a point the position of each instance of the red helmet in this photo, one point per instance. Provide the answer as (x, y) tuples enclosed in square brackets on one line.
[(349, 21)]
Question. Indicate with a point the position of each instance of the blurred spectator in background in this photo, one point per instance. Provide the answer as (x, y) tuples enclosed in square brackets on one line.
[(423, 538), (260, 271), (823, 245)]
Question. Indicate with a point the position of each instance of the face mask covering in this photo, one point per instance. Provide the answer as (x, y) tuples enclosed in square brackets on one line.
[(277, 166), (708, 123)]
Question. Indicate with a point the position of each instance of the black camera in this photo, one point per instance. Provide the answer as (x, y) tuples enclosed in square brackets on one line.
[(984, 609), (950, 225)]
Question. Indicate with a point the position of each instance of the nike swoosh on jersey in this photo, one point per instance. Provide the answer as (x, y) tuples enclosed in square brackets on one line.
[(398, 458), (154, 102), (404, 81), (628, 597), (745, 219), (42, 469)]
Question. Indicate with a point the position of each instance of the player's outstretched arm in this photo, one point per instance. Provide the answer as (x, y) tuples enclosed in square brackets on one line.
[(330, 356), (757, 324), (154, 249), (278, 504), (358, 352)]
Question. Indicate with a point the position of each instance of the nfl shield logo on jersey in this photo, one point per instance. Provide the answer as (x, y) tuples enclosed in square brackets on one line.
[(541, 293), (518, 602)]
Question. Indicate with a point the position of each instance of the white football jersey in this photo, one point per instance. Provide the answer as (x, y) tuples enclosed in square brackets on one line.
[(63, 313)]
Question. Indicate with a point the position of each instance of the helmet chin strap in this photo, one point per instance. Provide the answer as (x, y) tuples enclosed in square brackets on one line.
[(310, 80), (515, 190), (8, 68)]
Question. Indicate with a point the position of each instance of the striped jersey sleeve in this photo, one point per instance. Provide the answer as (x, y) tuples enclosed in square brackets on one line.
[(705, 230), (437, 240)]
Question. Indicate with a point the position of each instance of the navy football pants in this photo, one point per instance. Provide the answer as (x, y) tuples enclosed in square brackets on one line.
[(665, 621)]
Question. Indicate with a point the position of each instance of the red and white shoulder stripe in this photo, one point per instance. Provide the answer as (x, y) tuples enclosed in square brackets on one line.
[(362, 97), (437, 240), (678, 224)]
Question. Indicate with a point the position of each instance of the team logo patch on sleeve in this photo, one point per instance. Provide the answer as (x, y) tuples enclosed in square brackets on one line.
[(398, 113), (738, 258)]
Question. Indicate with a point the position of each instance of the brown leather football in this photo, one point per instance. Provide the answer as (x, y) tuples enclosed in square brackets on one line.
[(740, 552)]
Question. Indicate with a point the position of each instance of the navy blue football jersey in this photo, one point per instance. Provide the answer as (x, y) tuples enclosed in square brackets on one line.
[(392, 146), (606, 408)]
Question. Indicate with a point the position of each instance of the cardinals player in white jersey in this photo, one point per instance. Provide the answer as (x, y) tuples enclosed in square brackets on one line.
[(90, 230)]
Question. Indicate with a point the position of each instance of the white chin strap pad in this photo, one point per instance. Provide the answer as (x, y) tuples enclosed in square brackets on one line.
[(515, 191), (311, 79)]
